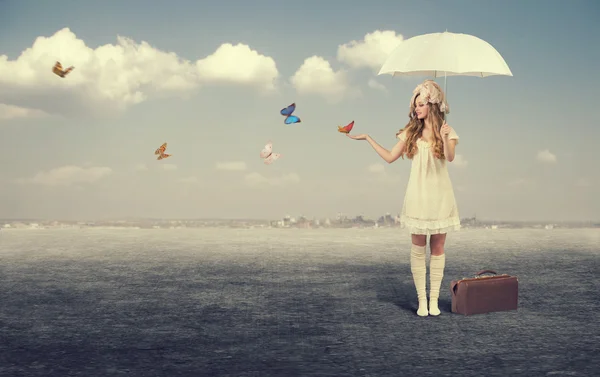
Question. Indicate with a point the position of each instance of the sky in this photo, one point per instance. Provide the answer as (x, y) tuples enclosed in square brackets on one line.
[(210, 79)]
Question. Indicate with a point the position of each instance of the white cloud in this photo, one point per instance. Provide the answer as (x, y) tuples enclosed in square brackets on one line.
[(376, 168), (141, 167), (257, 179), (8, 112), (316, 76), (459, 161), (239, 64), (232, 166), (546, 156), (168, 166), (376, 85), (372, 51), (116, 76), (68, 175), (380, 174)]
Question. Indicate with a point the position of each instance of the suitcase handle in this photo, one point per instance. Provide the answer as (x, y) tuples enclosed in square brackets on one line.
[(454, 284), (486, 272)]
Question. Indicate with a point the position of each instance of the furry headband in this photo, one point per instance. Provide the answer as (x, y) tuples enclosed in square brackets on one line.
[(430, 91)]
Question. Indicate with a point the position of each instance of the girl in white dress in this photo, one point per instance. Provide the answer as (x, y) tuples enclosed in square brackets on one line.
[(429, 204)]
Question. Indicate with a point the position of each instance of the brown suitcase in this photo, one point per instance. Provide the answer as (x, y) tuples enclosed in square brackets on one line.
[(484, 294)]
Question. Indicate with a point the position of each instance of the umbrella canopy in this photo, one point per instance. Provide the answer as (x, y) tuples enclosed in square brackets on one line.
[(445, 54)]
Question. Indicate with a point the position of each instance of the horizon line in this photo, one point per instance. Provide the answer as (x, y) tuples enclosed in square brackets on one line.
[(268, 219)]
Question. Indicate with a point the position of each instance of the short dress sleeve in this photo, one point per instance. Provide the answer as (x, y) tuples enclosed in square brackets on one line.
[(402, 136), (453, 135)]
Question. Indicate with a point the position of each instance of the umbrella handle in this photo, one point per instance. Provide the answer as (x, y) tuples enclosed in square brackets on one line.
[(446, 95)]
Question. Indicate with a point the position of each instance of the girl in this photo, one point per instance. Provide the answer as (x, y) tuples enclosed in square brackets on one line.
[(429, 204)]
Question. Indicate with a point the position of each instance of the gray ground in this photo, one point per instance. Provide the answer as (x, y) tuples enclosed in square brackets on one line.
[(288, 303)]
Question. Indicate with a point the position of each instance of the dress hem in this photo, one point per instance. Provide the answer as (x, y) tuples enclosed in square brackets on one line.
[(424, 227)]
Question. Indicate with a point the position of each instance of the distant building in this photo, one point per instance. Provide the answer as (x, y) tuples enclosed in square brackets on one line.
[(385, 220)]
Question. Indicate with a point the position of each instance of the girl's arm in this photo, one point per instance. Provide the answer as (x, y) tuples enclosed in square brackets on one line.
[(449, 139), (449, 148), (388, 156)]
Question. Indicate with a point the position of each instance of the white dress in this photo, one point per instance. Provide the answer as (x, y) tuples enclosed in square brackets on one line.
[(429, 204)]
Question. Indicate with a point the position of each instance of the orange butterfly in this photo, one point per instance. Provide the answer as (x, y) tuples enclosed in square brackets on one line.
[(346, 129), (58, 70), (161, 152)]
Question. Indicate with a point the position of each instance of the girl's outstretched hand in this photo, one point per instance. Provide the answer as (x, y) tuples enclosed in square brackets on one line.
[(358, 137)]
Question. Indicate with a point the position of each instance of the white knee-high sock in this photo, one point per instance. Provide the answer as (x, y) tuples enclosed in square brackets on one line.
[(419, 270), (436, 274)]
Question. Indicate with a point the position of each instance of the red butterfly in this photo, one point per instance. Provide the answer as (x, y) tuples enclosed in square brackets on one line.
[(346, 129)]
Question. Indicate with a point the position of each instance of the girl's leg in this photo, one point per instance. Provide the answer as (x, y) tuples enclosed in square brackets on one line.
[(437, 263), (419, 270)]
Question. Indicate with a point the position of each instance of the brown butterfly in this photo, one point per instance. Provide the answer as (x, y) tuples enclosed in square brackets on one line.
[(58, 70), (161, 152)]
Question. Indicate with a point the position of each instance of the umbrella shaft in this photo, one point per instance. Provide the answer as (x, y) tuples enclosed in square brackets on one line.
[(446, 95)]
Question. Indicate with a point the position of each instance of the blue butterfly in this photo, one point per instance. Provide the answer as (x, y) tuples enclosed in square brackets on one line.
[(287, 113)]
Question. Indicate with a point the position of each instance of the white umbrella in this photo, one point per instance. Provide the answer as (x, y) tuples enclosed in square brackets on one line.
[(445, 54)]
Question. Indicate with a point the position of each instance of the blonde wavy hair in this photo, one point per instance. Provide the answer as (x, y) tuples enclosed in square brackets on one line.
[(414, 130)]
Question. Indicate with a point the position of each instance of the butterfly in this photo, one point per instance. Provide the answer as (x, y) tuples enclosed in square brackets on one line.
[(268, 155), (287, 113), (161, 152), (58, 70), (346, 129)]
